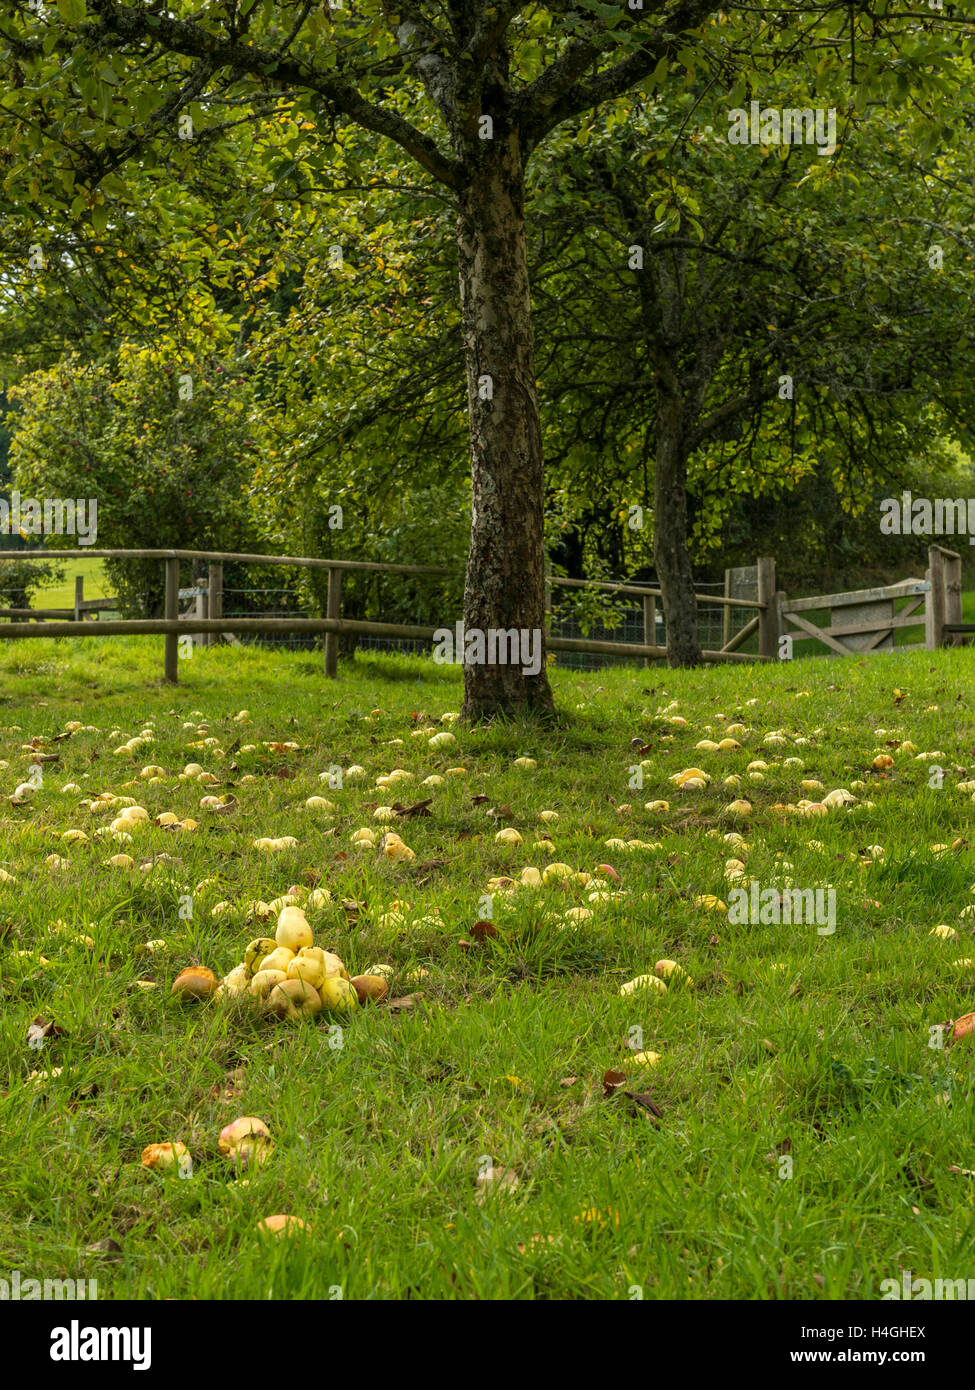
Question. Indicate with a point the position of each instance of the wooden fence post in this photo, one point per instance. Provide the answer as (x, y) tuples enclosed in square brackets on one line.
[(171, 659), (333, 609), (768, 639), (952, 570), (781, 626), (726, 612), (79, 596), (216, 599), (649, 625), (934, 608)]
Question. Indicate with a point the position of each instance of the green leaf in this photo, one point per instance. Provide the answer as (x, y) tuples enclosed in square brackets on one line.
[(72, 11)]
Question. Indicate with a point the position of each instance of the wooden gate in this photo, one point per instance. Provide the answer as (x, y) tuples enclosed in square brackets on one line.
[(863, 620)]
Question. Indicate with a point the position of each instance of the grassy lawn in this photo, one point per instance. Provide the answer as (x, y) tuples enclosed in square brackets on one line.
[(809, 1139)]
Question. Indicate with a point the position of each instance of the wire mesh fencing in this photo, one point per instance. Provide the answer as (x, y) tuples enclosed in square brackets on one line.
[(631, 626), (713, 627), (271, 603)]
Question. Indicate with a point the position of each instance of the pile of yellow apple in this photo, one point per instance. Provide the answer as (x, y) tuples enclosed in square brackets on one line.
[(290, 976)]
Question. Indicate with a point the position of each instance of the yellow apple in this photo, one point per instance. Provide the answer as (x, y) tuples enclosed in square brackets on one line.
[(671, 970), (166, 1157), (294, 999), (645, 1059), (237, 983), (293, 930), (334, 965), (644, 982), (308, 965), (256, 951), (278, 959), (508, 836), (264, 981), (384, 972), (338, 996)]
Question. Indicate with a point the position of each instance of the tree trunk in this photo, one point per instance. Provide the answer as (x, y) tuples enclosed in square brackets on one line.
[(670, 551), (505, 586)]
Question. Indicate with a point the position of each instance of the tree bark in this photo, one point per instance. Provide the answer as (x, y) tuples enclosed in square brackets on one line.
[(670, 552), (505, 585)]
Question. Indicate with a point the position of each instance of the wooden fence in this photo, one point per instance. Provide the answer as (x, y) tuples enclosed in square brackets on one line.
[(864, 620), (207, 617)]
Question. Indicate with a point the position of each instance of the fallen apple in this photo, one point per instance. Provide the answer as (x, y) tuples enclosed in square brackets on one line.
[(278, 959), (650, 983), (195, 982), (280, 1225), (293, 930), (247, 1130), (508, 836), (370, 988), (644, 1059), (256, 951), (383, 971), (308, 965), (264, 981), (672, 971), (338, 996), (166, 1157), (237, 983), (962, 1027), (294, 999)]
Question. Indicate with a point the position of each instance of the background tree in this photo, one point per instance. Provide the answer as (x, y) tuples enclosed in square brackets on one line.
[(161, 473), (467, 90)]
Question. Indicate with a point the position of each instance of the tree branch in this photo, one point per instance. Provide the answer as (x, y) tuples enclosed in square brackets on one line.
[(193, 41), (559, 92)]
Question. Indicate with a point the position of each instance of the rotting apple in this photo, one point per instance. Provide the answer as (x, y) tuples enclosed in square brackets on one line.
[(370, 988), (195, 982), (166, 1157)]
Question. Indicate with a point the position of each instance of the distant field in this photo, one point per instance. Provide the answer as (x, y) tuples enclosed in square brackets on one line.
[(62, 595)]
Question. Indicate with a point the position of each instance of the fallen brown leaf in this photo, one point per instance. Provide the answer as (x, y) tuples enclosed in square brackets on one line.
[(646, 1101), (403, 1002)]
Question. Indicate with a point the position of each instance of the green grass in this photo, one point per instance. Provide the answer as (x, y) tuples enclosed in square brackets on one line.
[(379, 1142)]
